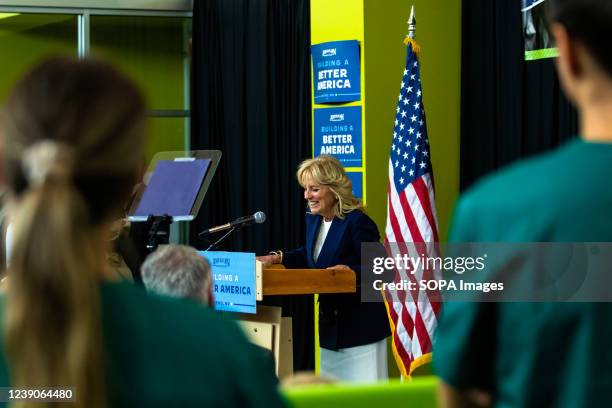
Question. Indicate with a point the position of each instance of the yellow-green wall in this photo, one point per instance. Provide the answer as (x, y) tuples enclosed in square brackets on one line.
[(25, 39)]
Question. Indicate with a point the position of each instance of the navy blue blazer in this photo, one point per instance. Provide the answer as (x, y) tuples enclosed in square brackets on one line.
[(344, 321)]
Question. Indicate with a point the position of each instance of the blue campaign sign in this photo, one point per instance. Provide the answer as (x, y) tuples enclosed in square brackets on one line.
[(357, 180), (233, 280), (337, 132), (336, 71)]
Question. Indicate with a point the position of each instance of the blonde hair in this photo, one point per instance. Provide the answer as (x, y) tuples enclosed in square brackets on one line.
[(327, 171), (74, 139)]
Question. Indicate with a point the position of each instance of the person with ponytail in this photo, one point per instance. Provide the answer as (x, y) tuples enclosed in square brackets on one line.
[(72, 144)]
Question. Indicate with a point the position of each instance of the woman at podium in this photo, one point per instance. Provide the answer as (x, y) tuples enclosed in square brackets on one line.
[(352, 334)]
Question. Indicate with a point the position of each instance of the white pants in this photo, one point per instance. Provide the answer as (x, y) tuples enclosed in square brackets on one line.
[(361, 364)]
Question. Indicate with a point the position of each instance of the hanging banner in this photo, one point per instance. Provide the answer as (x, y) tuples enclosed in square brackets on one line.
[(538, 40), (336, 71), (233, 283), (357, 180), (337, 132)]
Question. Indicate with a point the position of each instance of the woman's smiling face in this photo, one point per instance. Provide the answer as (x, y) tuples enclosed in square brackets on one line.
[(321, 200)]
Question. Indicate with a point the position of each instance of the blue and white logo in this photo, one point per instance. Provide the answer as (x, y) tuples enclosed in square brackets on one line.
[(330, 52), (221, 262)]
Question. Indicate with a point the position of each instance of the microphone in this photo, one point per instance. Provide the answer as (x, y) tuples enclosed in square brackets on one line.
[(258, 218)]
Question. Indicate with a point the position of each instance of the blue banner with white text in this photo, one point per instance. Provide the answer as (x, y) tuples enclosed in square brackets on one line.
[(336, 71), (233, 281), (337, 132)]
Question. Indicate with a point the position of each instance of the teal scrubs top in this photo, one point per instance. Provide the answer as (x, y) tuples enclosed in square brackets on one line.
[(534, 354)]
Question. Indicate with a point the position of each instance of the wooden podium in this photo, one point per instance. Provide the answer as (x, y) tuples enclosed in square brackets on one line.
[(266, 328), (276, 280)]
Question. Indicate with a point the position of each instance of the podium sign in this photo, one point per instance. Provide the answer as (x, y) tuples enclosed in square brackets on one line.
[(233, 280)]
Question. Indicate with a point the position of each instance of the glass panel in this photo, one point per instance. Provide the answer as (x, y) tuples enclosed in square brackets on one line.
[(26, 38), (151, 50), (165, 134)]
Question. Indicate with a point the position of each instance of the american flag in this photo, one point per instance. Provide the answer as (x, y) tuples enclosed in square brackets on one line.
[(411, 218)]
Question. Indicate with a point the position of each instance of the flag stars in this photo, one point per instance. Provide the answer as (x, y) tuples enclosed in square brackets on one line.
[(410, 150)]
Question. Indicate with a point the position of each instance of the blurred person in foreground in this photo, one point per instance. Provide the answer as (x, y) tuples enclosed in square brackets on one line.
[(542, 354), (74, 139), (352, 334), (178, 271)]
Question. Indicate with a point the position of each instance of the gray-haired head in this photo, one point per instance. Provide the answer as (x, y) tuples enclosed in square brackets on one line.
[(178, 271)]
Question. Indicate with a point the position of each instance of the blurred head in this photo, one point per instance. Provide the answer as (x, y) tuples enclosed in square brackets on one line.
[(326, 187), (73, 142), (582, 29), (178, 271), (86, 122)]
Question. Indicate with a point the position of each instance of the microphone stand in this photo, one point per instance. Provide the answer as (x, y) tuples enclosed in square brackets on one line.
[(217, 242)]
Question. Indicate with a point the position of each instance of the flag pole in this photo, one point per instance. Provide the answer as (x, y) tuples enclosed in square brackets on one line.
[(410, 37), (412, 23)]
